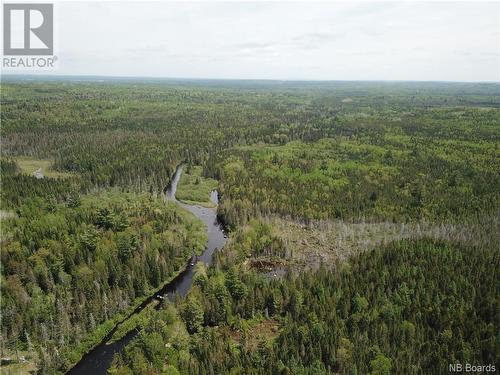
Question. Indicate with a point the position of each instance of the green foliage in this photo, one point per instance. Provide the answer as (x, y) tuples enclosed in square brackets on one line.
[(235, 286), (338, 321), (86, 264), (192, 314), (381, 365), (28, 166), (133, 135), (79, 250), (193, 188), (384, 177)]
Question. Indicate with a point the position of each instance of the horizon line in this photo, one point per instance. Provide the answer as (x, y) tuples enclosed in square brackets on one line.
[(138, 77)]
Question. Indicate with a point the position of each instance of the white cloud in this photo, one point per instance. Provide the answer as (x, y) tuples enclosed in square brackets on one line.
[(275, 40)]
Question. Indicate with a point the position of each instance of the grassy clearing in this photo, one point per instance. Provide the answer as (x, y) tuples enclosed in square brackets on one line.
[(5, 215), (20, 362), (29, 165), (195, 189)]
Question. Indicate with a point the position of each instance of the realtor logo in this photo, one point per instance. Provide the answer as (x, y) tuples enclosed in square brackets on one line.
[(28, 29)]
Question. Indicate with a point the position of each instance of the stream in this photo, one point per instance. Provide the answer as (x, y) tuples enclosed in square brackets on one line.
[(98, 360)]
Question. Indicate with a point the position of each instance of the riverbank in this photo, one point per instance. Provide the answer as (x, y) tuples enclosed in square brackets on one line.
[(194, 189), (105, 332), (98, 359)]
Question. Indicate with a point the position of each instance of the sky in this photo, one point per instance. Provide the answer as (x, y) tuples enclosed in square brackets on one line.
[(450, 41)]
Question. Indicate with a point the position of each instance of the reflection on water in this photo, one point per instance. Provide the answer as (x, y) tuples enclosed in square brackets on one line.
[(98, 360)]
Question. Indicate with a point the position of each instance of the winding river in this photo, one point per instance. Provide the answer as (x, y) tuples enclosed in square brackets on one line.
[(98, 360)]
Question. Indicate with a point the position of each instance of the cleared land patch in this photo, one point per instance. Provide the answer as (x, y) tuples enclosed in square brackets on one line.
[(328, 242), (30, 166)]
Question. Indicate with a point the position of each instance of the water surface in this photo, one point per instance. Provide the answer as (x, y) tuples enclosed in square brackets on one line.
[(98, 360)]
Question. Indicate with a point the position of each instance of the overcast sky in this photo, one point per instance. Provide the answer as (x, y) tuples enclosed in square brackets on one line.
[(457, 41)]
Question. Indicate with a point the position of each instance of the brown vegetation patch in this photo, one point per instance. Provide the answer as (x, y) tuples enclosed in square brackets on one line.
[(329, 242), (265, 330), (264, 265)]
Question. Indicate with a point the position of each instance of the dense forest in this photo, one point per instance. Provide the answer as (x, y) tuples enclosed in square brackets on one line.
[(363, 221), (409, 308), (71, 268), (395, 177)]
